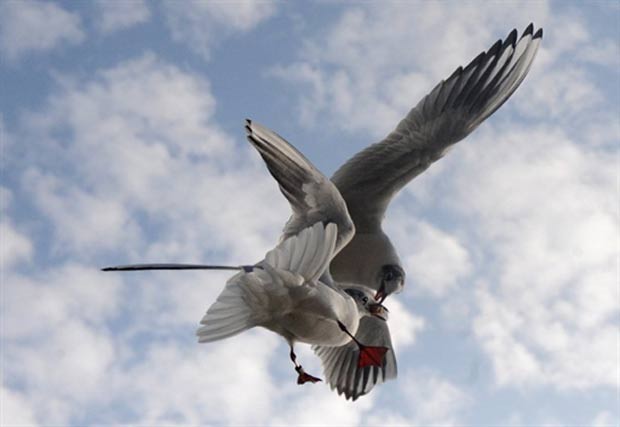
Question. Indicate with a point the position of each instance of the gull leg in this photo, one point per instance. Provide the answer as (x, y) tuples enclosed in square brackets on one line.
[(369, 355), (302, 377)]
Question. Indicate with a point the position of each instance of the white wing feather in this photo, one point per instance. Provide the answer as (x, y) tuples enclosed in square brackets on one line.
[(250, 299)]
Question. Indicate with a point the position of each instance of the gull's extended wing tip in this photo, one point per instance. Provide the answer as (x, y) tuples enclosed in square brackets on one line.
[(312, 196), (539, 34), (447, 114)]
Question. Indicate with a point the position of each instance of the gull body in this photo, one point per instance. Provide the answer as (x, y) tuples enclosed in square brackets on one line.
[(314, 321), (453, 109), (284, 294)]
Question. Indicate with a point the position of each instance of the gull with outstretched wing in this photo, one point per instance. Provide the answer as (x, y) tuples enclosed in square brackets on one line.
[(450, 112), (284, 294)]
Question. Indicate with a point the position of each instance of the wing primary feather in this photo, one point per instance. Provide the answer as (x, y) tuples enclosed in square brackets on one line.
[(539, 34), (486, 71), (528, 30), (365, 378), (343, 367), (473, 69), (447, 114), (313, 197)]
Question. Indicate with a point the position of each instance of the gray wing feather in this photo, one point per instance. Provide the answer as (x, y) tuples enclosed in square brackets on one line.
[(452, 110), (340, 363), (312, 196)]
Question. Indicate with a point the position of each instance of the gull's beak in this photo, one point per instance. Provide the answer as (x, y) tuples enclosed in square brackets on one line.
[(378, 310), (380, 295)]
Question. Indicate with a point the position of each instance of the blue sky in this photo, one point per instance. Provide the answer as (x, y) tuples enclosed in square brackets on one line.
[(122, 141)]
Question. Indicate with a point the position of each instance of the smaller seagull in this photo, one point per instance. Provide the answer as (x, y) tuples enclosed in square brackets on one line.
[(284, 294)]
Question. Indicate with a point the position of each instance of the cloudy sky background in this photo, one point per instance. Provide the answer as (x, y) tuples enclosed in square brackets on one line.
[(122, 141)]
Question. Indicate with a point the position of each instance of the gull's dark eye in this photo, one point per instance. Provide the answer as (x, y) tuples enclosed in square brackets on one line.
[(391, 272), (365, 300), (354, 293)]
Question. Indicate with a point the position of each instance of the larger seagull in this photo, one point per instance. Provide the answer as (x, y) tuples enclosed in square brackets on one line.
[(370, 179)]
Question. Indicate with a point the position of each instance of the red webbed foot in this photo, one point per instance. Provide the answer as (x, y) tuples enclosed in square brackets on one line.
[(304, 377), (371, 356)]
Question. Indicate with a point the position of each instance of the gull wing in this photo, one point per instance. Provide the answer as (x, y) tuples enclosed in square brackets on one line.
[(312, 196), (450, 112), (307, 254), (247, 297), (340, 363)]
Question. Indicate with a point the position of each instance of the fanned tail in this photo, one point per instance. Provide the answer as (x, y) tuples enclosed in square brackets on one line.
[(230, 314), (251, 298)]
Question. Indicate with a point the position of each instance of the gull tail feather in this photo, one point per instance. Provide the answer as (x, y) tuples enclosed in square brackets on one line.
[(229, 315)]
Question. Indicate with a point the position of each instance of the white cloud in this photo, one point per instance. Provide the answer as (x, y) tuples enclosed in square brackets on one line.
[(58, 317), (15, 409), (82, 220), (542, 214), (427, 399), (439, 401), (191, 383), (134, 127), (561, 95), (435, 262), (605, 53), (35, 26), (57, 295), (14, 246), (5, 138), (310, 76), (404, 326), (119, 15), (318, 406), (605, 419), (240, 15), (200, 25), (364, 72)]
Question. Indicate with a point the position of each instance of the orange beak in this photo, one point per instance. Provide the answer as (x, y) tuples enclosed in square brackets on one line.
[(378, 310)]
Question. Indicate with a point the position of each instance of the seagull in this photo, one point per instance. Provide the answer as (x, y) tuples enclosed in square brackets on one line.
[(358, 194), (447, 114), (313, 197), (284, 294)]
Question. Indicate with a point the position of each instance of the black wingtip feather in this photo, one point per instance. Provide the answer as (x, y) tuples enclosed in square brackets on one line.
[(538, 34), (456, 72), (511, 39), (528, 30), (474, 62), (495, 48)]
